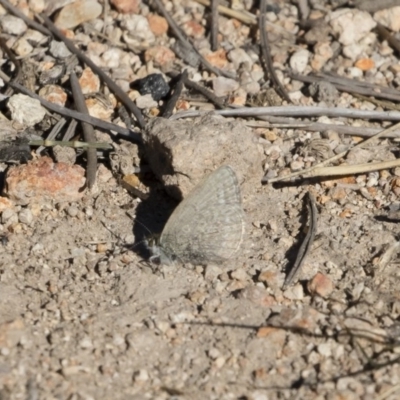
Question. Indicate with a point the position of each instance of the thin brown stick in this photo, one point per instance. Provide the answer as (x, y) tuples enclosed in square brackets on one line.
[(265, 50), (202, 90), (53, 134), (304, 9), (341, 170), (309, 171), (388, 105), (70, 132), (291, 123), (307, 242), (106, 11), (214, 24), (243, 16), (297, 111), (350, 85), (88, 131), (169, 107), (119, 93)]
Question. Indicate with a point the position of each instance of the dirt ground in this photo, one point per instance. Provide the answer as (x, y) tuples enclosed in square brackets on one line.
[(84, 315)]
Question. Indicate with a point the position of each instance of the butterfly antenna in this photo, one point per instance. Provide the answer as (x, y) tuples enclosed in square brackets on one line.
[(139, 222), (111, 231)]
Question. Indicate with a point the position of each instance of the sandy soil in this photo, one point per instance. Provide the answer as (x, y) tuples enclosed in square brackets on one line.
[(84, 315)]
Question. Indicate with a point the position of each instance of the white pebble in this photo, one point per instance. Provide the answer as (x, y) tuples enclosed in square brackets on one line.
[(324, 349), (72, 211), (299, 60), (25, 110), (240, 274), (141, 376), (7, 215), (25, 216), (22, 47), (13, 25), (145, 101), (223, 86), (294, 293), (351, 25), (59, 50)]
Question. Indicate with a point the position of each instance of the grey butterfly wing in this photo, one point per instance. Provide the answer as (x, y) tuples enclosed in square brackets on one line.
[(209, 224)]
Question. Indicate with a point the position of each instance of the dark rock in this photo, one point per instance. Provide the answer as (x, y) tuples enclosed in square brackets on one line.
[(153, 84)]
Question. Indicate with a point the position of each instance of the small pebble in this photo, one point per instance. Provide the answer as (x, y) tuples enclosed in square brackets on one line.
[(240, 274), (294, 292), (42, 180), (296, 165), (158, 24), (212, 272), (320, 285), (64, 154), (126, 6), (72, 211), (22, 47), (145, 101), (325, 349), (76, 13), (25, 110), (138, 29), (89, 82), (351, 25), (160, 55), (141, 376), (101, 248), (223, 86), (239, 57), (299, 60), (25, 216), (153, 84), (59, 49), (54, 93), (8, 215), (99, 109), (389, 17), (12, 25)]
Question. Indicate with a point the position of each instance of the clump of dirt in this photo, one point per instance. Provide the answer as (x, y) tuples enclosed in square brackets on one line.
[(182, 152)]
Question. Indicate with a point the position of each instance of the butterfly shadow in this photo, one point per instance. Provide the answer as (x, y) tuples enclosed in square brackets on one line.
[(150, 217)]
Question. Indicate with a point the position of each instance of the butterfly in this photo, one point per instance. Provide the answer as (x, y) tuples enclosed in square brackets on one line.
[(207, 226)]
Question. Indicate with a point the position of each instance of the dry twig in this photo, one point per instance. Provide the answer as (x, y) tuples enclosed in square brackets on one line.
[(243, 16), (265, 50), (307, 242), (350, 85), (202, 90), (291, 123), (297, 111), (88, 131), (169, 107), (317, 169), (214, 24)]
